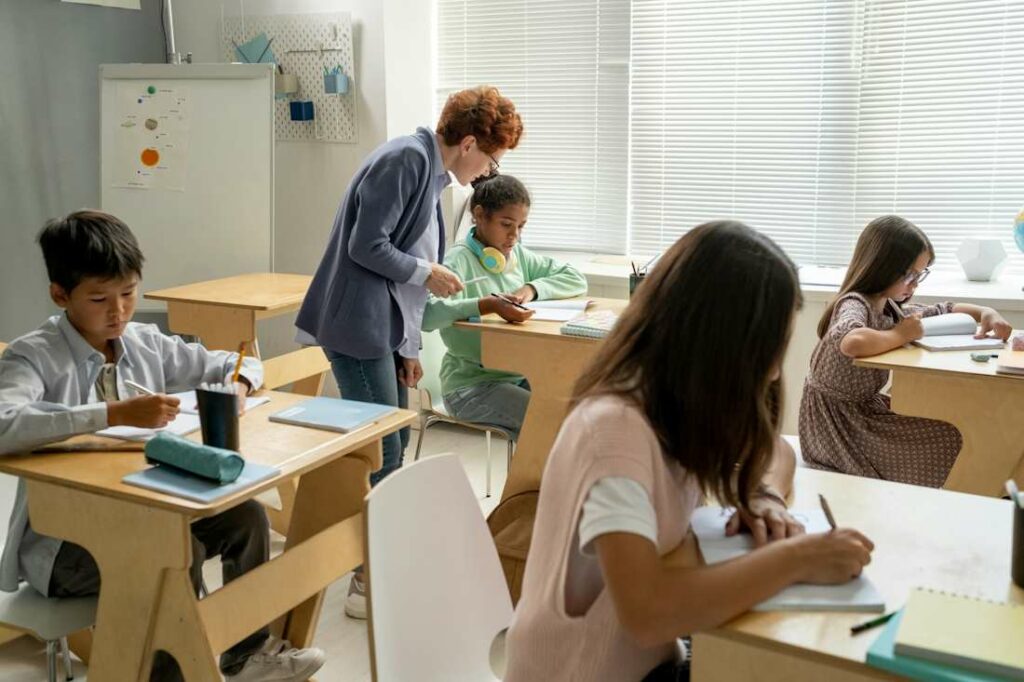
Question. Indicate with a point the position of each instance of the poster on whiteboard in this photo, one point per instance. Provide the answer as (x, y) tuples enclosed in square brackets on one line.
[(152, 136), (122, 4)]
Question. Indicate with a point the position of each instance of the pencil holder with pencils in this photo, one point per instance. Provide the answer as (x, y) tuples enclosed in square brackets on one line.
[(634, 281), (335, 82)]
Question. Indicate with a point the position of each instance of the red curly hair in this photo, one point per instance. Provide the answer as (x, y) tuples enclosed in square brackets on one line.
[(483, 113)]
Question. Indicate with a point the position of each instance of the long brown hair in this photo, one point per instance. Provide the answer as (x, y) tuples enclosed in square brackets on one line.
[(886, 250), (695, 350)]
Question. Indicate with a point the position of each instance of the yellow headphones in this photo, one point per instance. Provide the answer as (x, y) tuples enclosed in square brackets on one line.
[(491, 259)]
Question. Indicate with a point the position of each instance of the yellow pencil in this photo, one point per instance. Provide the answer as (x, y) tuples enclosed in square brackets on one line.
[(238, 364)]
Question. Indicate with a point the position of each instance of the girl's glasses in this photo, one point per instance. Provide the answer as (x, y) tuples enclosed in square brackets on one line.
[(916, 277)]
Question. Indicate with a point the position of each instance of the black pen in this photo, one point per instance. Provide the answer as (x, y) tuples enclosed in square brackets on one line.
[(873, 623), (827, 510), (510, 301)]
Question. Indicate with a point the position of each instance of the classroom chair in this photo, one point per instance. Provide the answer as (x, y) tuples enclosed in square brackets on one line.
[(437, 601), (432, 409), (50, 620), (304, 371), (794, 441)]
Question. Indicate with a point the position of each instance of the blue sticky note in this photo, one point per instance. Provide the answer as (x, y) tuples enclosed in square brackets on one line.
[(256, 51)]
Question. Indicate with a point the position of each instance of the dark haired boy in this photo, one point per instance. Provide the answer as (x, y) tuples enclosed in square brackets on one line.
[(68, 377)]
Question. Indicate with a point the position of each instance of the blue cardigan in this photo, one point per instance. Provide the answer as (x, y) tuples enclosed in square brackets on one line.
[(350, 307)]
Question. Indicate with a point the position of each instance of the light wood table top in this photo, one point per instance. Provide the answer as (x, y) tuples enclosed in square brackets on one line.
[(262, 291), (917, 359), (292, 449), (496, 325), (923, 537)]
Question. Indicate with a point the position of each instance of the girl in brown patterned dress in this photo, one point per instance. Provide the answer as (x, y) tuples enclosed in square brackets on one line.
[(846, 424)]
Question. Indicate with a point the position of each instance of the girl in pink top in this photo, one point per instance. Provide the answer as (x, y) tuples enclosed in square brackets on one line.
[(682, 400)]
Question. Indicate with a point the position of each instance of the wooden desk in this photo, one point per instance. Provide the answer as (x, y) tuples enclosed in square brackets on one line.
[(141, 542), (986, 407), (551, 362), (923, 538)]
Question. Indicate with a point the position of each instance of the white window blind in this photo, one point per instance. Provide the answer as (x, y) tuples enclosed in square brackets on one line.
[(565, 65), (744, 109), (942, 119)]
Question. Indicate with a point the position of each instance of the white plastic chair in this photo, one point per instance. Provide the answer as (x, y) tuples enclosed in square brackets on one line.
[(48, 619), (432, 409), (437, 595), (794, 441)]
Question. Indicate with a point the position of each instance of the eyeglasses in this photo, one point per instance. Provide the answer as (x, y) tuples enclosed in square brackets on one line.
[(916, 277), (494, 164)]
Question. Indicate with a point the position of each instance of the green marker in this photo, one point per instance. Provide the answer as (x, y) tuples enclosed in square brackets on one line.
[(151, 89)]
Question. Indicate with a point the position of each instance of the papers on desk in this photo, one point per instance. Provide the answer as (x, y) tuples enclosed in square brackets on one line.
[(190, 406), (1010, 362), (558, 311), (953, 331), (708, 525), (182, 425), (185, 423)]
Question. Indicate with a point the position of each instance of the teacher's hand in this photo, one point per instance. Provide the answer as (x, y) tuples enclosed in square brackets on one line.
[(410, 372), (442, 282)]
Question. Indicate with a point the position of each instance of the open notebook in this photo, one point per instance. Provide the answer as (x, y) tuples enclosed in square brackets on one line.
[(708, 524), (185, 423), (953, 331), (558, 311)]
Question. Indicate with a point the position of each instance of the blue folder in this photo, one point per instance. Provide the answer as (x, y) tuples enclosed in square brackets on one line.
[(882, 655), (176, 482), (333, 414)]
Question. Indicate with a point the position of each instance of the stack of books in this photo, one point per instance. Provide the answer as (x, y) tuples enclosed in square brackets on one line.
[(595, 325)]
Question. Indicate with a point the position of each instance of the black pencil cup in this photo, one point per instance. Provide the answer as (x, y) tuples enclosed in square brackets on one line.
[(634, 281), (1017, 558), (218, 416)]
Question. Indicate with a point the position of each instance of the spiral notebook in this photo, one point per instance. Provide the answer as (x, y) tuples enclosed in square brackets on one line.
[(957, 630), (882, 655), (595, 325)]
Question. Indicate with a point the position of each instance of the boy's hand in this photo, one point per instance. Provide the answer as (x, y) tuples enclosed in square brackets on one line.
[(910, 328), (523, 294), (991, 321), (507, 311), (410, 373), (146, 411)]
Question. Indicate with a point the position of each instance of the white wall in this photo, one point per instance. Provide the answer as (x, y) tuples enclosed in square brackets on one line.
[(392, 48)]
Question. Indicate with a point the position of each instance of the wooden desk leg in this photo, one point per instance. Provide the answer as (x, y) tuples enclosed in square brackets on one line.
[(989, 414), (725, 658), (551, 365), (80, 644), (326, 496), (281, 519), (219, 327), (134, 547)]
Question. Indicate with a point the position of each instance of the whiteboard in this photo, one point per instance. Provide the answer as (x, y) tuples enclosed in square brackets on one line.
[(187, 161)]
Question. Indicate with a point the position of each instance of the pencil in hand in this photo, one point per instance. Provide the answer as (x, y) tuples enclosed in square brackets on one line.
[(238, 363)]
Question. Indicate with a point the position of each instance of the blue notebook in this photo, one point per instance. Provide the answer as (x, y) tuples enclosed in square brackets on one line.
[(882, 655), (165, 479), (333, 414)]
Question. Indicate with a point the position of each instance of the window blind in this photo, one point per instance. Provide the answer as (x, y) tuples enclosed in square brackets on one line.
[(565, 65)]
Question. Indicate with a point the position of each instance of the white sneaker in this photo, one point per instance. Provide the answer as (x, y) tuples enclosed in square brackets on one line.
[(278, 661), (355, 602)]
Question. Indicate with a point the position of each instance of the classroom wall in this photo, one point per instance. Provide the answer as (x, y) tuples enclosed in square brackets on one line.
[(49, 128), (392, 84)]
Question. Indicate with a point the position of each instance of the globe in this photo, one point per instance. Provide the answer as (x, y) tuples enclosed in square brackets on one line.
[(1018, 230)]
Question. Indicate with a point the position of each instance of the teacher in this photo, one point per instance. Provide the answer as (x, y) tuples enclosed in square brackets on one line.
[(366, 301)]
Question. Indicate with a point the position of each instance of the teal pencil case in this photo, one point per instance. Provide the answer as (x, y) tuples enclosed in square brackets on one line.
[(204, 461)]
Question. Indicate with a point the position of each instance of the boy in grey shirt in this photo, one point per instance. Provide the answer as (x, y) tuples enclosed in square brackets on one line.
[(68, 377)]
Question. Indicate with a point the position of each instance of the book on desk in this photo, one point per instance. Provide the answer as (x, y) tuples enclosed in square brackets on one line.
[(954, 331)]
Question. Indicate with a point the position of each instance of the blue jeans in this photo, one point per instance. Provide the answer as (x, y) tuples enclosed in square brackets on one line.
[(375, 381), (499, 403)]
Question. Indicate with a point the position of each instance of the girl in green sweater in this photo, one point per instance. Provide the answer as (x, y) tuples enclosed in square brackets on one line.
[(492, 255)]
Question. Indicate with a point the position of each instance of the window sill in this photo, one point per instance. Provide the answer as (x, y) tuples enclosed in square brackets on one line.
[(611, 273)]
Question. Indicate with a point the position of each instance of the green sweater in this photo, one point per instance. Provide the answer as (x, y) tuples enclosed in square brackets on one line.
[(461, 365)]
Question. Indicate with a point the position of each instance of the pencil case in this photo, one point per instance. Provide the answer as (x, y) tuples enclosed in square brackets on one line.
[(204, 461)]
